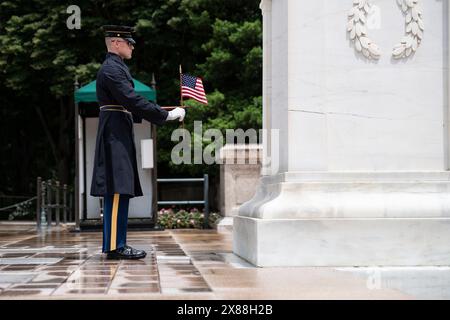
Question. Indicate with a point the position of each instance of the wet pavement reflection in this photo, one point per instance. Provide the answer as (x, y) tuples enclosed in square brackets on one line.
[(58, 263)]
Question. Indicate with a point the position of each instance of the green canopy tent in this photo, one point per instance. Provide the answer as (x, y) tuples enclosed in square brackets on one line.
[(87, 93), (85, 134)]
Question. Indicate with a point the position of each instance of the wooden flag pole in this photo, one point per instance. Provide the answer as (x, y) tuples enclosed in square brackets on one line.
[(181, 91), (173, 107), (181, 96)]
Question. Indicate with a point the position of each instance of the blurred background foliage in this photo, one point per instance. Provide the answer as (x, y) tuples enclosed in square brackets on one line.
[(219, 40)]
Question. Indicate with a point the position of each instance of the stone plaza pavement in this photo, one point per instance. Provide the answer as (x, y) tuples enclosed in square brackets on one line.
[(56, 263)]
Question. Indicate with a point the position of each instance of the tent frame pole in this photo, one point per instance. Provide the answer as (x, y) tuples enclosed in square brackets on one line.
[(155, 166), (77, 163)]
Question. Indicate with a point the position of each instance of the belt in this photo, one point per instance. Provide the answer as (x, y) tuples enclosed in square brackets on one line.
[(114, 107)]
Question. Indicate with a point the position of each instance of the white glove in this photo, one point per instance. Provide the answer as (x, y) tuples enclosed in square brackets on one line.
[(176, 113)]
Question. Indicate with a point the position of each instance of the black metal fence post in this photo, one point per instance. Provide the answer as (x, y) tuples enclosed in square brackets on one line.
[(65, 203), (71, 209), (57, 204), (49, 201), (38, 201), (43, 202), (206, 200)]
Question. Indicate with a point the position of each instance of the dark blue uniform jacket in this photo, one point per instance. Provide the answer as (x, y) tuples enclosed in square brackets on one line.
[(115, 166)]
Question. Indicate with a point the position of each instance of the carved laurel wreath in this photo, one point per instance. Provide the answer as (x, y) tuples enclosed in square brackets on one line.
[(409, 43)]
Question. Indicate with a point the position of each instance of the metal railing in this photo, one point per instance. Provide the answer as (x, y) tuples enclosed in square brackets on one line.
[(18, 209), (204, 202), (50, 203)]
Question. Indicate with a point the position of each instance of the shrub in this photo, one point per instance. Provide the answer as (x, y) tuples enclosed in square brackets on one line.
[(171, 219)]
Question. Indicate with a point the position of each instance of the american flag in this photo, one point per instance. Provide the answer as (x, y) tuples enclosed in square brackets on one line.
[(192, 87)]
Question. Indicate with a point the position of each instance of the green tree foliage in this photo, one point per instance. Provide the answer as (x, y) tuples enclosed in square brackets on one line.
[(226, 44), (219, 40)]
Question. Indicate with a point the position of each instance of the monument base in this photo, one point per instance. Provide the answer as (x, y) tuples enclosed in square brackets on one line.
[(346, 219)]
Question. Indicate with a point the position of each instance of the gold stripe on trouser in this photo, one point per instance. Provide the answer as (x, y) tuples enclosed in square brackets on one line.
[(115, 209)]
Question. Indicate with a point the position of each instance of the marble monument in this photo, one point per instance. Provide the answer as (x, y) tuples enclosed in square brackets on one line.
[(363, 173)]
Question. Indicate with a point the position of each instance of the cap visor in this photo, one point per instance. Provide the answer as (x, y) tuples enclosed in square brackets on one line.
[(131, 40)]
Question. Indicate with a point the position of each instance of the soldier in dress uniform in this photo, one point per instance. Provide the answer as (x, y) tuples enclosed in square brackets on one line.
[(115, 175)]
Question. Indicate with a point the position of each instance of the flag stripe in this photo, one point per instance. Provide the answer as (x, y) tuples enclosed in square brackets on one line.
[(195, 98), (201, 101), (189, 90), (194, 94)]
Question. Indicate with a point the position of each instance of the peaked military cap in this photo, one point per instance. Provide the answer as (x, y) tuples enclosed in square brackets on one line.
[(119, 32)]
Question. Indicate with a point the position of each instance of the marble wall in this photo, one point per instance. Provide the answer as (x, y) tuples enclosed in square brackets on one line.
[(339, 111)]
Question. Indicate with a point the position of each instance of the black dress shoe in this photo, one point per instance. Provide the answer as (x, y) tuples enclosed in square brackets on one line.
[(126, 252)]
